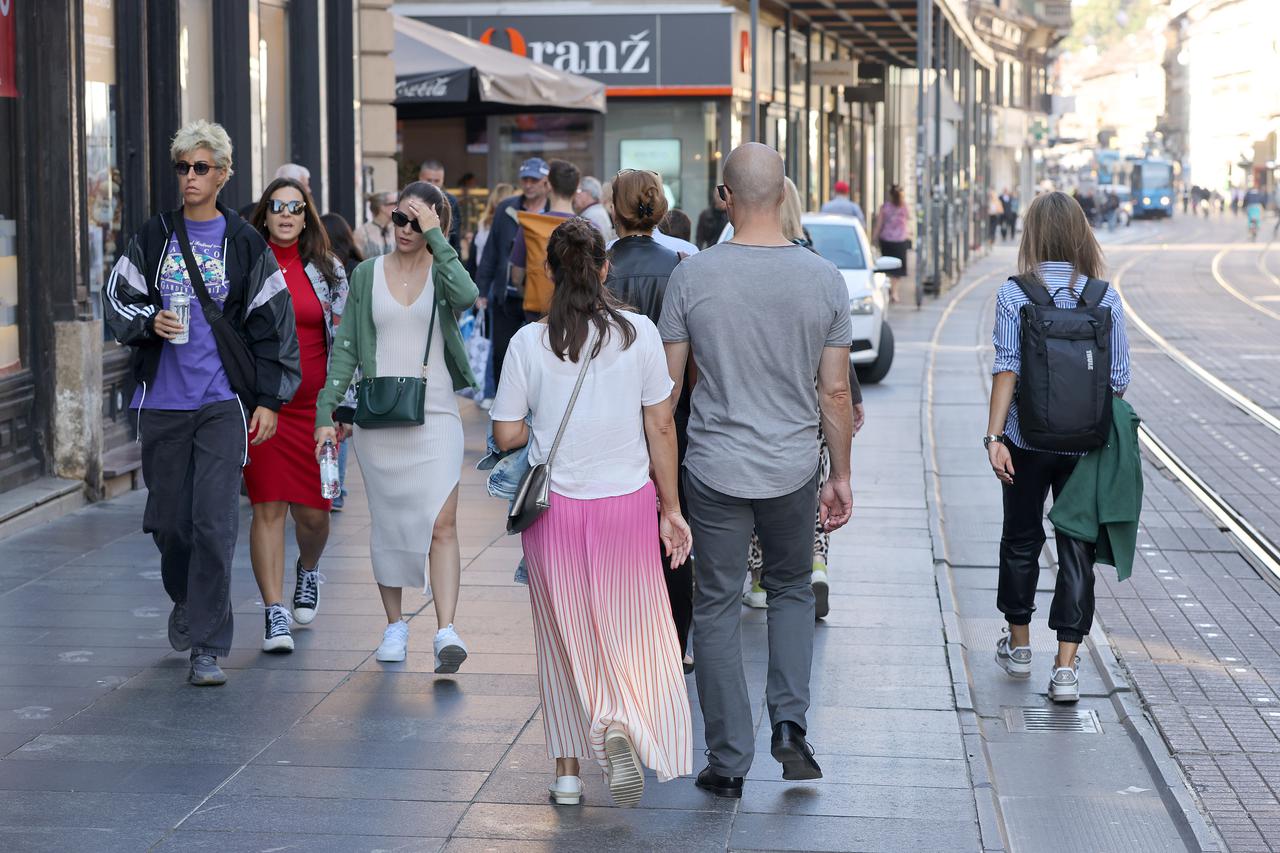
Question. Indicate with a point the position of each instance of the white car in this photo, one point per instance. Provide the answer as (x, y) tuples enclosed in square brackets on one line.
[(842, 240)]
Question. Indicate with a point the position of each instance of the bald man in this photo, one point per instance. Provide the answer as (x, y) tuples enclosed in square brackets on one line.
[(752, 462)]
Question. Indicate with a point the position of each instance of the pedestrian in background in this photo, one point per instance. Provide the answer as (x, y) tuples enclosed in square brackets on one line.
[(711, 223), (753, 455), (484, 226), (588, 204), (400, 311), (191, 405), (377, 237), (639, 268), (677, 224), (528, 252), (432, 172), (609, 672), (493, 277), (892, 231), (840, 203), (1008, 217), (283, 475), (342, 244), (295, 172), (1059, 253)]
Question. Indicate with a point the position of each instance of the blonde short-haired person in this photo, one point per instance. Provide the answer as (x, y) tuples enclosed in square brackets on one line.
[(198, 413)]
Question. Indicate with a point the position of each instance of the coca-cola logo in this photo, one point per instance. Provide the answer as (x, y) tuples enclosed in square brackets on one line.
[(628, 55), (432, 87)]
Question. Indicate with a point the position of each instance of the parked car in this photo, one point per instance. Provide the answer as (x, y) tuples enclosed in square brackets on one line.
[(842, 240)]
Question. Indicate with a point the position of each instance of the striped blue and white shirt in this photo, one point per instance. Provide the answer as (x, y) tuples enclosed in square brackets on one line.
[(1007, 335)]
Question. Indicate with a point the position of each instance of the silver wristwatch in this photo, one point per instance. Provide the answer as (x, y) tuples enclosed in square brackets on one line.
[(987, 439)]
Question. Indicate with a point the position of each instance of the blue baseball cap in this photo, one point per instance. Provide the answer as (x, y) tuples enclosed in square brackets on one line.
[(534, 167)]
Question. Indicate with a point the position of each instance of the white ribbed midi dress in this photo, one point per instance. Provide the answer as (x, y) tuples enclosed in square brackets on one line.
[(409, 472)]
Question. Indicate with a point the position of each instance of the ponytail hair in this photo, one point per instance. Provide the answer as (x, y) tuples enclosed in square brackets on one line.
[(576, 258), (638, 201)]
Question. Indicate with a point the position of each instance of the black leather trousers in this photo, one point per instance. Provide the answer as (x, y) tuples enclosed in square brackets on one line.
[(1071, 613)]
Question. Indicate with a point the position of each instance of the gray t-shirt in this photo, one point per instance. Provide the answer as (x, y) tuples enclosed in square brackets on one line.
[(757, 319)]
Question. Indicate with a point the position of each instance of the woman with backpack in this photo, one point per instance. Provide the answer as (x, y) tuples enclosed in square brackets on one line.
[(1055, 317)]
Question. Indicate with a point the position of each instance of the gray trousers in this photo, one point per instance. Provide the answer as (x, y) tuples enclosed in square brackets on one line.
[(722, 527), (191, 462)]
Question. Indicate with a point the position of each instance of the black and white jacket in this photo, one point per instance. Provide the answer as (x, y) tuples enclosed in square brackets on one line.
[(257, 304)]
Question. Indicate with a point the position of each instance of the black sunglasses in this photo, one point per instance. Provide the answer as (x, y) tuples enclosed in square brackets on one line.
[(278, 206), (400, 220), (723, 191), (201, 168)]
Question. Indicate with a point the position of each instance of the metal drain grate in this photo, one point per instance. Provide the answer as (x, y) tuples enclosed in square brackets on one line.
[(1052, 720)]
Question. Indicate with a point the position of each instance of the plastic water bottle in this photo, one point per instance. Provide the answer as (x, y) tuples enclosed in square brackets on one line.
[(330, 483)]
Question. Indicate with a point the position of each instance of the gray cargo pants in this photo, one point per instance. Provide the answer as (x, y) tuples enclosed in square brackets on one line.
[(191, 462), (722, 527)]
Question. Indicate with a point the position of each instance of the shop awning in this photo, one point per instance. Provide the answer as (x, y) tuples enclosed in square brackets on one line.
[(437, 67)]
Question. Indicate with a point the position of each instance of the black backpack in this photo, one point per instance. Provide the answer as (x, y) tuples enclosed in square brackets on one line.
[(1064, 389)]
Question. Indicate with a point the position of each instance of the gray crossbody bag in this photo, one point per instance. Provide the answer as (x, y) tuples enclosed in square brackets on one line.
[(533, 496)]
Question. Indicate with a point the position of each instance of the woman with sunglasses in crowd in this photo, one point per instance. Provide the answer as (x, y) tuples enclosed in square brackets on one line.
[(401, 310), (283, 475)]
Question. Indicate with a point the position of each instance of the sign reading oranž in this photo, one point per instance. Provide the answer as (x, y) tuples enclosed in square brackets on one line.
[(618, 50), (8, 77)]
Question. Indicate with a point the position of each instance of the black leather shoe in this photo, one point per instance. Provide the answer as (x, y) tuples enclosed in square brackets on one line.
[(721, 786), (794, 753)]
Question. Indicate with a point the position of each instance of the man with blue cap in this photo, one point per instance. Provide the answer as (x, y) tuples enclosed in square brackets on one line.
[(493, 276)]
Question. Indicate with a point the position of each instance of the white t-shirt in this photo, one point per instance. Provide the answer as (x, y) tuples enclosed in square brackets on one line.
[(603, 453)]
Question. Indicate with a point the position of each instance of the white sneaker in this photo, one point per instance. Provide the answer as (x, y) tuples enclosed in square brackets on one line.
[(395, 643), (622, 766), (756, 598), (1015, 661), (821, 590), (1064, 686), (567, 791), (485, 404), (450, 650)]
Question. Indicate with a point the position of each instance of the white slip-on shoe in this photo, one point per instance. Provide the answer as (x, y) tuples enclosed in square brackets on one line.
[(450, 650), (567, 791), (622, 765), (1015, 661), (821, 590), (1064, 686), (756, 599), (395, 643)]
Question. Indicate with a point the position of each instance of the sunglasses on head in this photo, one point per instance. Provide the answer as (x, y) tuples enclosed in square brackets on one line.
[(201, 168), (294, 207), (723, 191)]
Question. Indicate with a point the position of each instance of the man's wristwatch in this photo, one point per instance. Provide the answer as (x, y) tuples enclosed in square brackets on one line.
[(987, 439)]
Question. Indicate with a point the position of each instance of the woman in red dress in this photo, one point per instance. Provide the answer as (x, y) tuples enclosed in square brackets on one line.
[(283, 476)]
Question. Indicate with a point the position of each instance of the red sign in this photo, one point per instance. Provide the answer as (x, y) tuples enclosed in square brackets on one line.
[(8, 75)]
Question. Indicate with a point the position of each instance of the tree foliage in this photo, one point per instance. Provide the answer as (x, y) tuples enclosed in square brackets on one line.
[(1105, 23)]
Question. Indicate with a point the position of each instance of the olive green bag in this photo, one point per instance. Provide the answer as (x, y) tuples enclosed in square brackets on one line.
[(395, 401)]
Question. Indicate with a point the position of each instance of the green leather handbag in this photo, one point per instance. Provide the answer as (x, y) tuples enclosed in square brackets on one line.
[(395, 401)]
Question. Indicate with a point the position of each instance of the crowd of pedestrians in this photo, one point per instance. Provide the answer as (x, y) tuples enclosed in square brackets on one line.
[(626, 372)]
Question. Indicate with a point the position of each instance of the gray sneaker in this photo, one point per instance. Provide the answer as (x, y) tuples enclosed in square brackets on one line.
[(179, 630), (205, 671), (1064, 686), (1016, 662)]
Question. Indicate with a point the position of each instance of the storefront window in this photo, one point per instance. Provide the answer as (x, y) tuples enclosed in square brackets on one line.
[(552, 136), (195, 59), (10, 336), (676, 138), (102, 156)]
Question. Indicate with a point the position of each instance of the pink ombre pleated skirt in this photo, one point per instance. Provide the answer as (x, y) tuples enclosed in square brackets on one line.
[(607, 651)]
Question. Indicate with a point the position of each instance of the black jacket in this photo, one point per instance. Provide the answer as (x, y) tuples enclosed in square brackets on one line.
[(638, 271), (455, 223), (494, 272), (257, 304)]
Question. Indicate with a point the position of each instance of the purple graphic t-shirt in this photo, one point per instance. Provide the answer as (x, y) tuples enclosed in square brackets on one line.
[(190, 375)]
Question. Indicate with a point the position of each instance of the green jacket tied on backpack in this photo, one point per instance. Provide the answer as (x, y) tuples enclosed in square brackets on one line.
[(1102, 499)]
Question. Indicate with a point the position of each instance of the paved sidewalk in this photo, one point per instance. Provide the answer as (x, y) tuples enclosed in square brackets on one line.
[(106, 748)]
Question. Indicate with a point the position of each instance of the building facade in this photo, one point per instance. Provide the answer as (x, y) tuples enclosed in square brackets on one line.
[(91, 91)]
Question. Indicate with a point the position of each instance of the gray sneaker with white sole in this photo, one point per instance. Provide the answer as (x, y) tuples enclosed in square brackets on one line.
[(1015, 661), (1064, 686)]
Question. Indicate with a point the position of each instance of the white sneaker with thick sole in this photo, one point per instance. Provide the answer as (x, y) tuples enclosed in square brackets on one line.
[(395, 643), (567, 791), (450, 650), (1064, 686), (756, 598), (622, 765), (1015, 661), (821, 590)]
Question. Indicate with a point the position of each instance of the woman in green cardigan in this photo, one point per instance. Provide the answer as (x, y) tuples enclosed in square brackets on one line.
[(400, 306)]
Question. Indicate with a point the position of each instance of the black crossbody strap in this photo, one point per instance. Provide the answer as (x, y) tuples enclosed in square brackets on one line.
[(211, 310)]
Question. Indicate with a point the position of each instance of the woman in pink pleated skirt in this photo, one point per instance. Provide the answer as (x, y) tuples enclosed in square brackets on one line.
[(609, 664)]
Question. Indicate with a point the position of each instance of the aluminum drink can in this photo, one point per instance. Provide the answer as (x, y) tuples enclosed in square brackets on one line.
[(180, 304)]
